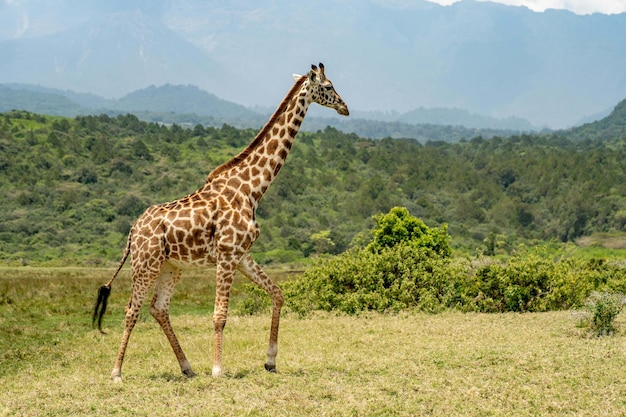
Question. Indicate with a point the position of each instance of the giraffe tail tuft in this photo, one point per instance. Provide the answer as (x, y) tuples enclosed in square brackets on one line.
[(101, 306), (104, 291)]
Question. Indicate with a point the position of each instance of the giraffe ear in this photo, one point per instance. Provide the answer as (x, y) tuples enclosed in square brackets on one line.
[(297, 76), (313, 76)]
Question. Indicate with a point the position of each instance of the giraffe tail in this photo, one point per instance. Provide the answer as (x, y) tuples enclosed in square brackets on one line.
[(105, 291)]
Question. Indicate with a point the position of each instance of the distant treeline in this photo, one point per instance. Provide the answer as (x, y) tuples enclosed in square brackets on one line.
[(188, 106)]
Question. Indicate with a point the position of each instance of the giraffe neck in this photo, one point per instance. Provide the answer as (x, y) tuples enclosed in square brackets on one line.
[(256, 167)]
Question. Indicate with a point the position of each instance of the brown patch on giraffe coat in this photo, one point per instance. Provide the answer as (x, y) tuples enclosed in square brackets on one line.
[(184, 224), (271, 147), (257, 156), (233, 182), (245, 175), (200, 217), (237, 202)]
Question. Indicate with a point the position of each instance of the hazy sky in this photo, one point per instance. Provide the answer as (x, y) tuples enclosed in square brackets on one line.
[(576, 6)]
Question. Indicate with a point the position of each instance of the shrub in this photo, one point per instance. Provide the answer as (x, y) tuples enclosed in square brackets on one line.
[(399, 226), (254, 300), (521, 284), (603, 308), (399, 277), (403, 267)]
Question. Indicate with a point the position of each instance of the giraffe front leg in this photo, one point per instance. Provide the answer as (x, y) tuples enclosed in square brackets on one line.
[(254, 272), (224, 281), (217, 346)]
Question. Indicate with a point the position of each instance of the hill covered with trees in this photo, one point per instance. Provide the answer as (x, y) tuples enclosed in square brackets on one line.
[(188, 106), (70, 188)]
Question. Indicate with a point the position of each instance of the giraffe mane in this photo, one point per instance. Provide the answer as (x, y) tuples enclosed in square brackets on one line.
[(259, 137)]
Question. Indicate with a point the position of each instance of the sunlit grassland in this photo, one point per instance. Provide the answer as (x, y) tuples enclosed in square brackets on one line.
[(53, 363)]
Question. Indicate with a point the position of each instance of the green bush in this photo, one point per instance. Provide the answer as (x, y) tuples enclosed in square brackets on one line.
[(399, 277), (405, 266), (408, 276), (603, 308), (399, 226), (521, 284), (253, 300)]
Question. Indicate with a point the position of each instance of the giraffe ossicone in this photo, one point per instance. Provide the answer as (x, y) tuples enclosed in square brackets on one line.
[(215, 225)]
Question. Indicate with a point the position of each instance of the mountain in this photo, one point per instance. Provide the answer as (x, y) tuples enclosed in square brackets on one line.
[(189, 105), (167, 103), (611, 127), (552, 68), (449, 117), (183, 100), (110, 56), (37, 102)]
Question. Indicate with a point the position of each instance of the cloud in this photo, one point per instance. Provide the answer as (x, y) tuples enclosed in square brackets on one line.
[(575, 6)]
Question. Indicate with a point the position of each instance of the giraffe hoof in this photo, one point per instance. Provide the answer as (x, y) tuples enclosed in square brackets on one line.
[(116, 376), (189, 373), (270, 368)]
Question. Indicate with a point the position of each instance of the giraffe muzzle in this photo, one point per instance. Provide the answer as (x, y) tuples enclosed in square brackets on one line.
[(343, 110)]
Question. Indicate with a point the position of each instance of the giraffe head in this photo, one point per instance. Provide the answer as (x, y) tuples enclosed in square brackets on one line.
[(323, 92)]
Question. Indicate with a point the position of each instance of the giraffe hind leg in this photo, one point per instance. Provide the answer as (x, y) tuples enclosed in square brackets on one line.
[(139, 290), (159, 309)]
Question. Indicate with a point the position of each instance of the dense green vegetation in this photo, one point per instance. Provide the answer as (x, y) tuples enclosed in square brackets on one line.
[(70, 188), (407, 265)]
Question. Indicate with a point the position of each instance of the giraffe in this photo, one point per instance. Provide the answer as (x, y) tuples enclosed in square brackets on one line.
[(215, 226)]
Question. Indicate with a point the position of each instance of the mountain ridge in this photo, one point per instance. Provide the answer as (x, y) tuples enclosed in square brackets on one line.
[(191, 100), (552, 68)]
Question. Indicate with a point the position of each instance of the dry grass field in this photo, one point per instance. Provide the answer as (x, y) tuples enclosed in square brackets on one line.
[(452, 364)]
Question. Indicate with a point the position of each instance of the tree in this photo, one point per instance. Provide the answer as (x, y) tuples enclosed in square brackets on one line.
[(399, 226), (322, 241)]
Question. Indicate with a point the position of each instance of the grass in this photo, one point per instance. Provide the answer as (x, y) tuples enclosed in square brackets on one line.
[(53, 364)]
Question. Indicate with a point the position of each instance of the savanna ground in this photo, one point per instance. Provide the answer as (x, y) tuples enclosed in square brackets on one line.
[(452, 364)]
